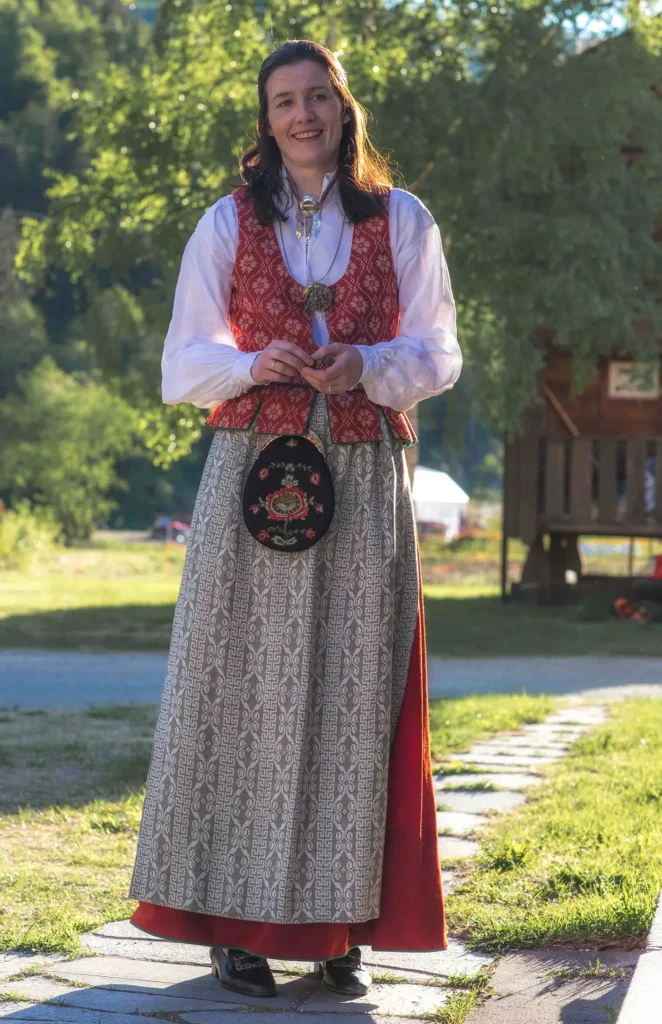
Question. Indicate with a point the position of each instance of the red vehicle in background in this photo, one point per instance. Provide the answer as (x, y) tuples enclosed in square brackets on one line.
[(173, 531)]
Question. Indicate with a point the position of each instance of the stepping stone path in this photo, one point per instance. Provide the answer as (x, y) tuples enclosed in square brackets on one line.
[(134, 978)]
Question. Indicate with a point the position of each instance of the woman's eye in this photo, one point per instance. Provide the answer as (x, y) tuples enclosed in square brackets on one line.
[(320, 96)]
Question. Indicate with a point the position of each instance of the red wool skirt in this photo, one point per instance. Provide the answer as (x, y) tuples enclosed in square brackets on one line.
[(412, 910)]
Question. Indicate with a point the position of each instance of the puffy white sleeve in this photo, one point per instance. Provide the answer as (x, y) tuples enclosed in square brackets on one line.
[(201, 363), (424, 359)]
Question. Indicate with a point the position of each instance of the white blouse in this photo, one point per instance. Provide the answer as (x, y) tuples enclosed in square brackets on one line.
[(201, 363)]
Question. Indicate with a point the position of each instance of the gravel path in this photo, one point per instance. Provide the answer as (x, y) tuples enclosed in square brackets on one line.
[(47, 679)]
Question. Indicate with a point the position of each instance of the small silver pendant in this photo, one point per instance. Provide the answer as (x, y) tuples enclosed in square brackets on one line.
[(309, 206)]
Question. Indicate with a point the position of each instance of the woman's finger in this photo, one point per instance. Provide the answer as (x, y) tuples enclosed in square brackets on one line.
[(291, 349), (281, 362), (278, 377), (287, 359)]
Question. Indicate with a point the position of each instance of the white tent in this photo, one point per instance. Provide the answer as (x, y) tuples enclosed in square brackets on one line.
[(438, 499)]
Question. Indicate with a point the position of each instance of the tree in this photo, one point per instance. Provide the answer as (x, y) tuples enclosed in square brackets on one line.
[(22, 332), (49, 50), (513, 139), (62, 434)]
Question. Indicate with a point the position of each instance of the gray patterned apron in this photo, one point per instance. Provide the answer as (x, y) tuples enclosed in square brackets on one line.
[(266, 794)]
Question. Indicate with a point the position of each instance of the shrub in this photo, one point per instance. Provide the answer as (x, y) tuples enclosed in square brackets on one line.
[(26, 534)]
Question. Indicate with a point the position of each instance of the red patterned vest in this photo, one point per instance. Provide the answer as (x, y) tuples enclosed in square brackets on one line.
[(267, 303)]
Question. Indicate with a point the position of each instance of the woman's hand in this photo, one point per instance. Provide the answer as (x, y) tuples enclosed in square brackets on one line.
[(280, 361), (343, 373)]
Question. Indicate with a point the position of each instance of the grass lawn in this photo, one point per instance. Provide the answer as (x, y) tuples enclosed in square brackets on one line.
[(115, 595), (105, 596), (581, 862), (472, 621), (71, 790)]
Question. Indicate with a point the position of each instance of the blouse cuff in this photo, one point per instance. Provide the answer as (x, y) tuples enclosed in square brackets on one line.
[(241, 379), (372, 365)]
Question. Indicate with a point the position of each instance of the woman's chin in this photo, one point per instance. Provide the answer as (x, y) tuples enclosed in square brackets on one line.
[(306, 155)]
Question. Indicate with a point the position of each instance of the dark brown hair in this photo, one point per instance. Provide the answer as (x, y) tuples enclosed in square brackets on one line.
[(364, 176)]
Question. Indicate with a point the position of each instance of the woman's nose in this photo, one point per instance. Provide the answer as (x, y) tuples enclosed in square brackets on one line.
[(304, 111)]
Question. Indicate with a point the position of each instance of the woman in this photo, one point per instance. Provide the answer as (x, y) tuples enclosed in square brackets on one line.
[(289, 808)]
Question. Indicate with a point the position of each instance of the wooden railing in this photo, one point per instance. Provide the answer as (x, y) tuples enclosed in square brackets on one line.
[(601, 485)]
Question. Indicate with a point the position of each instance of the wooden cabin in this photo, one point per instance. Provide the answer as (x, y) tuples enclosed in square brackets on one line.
[(583, 464)]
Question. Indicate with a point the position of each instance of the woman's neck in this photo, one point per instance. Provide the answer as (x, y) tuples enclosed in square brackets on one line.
[(309, 181)]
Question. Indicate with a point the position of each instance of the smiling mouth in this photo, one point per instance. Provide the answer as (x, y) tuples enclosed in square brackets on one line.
[(304, 136)]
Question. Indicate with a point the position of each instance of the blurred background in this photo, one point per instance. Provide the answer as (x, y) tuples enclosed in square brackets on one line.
[(531, 130)]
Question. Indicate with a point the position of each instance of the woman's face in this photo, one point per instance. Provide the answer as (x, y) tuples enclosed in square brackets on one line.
[(305, 115)]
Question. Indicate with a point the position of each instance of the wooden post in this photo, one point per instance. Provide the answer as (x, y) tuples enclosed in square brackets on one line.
[(504, 523)]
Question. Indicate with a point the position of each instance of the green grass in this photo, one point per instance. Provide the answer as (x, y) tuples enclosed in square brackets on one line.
[(455, 724), (581, 862), (109, 594), (591, 970), (70, 806), (472, 621), (114, 595)]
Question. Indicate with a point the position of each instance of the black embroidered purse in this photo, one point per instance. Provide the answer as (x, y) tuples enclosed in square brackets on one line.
[(288, 498)]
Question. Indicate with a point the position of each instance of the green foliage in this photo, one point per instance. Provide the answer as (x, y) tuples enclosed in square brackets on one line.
[(456, 723), (22, 333), (513, 139), (50, 49), (63, 434), (26, 534)]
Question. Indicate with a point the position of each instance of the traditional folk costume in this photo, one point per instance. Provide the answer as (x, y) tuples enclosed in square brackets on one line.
[(289, 807)]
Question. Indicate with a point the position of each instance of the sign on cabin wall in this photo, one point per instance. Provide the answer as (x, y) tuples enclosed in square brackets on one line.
[(634, 380)]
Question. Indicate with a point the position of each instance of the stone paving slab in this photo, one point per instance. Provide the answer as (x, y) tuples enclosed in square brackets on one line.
[(12, 963), (527, 995), (577, 715), (457, 959), (480, 802), (147, 977), (504, 780), (481, 759), (521, 743), (95, 970), (558, 731), (503, 749), (642, 1002), (301, 1017), (403, 1000), (654, 939), (72, 1015), (453, 848), (118, 999), (123, 939), (458, 823), (68, 1015), (448, 878)]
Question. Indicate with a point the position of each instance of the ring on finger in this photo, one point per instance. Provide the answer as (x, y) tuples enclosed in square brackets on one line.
[(273, 364)]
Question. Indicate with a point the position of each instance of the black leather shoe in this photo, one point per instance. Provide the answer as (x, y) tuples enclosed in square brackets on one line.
[(345, 975), (242, 972)]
